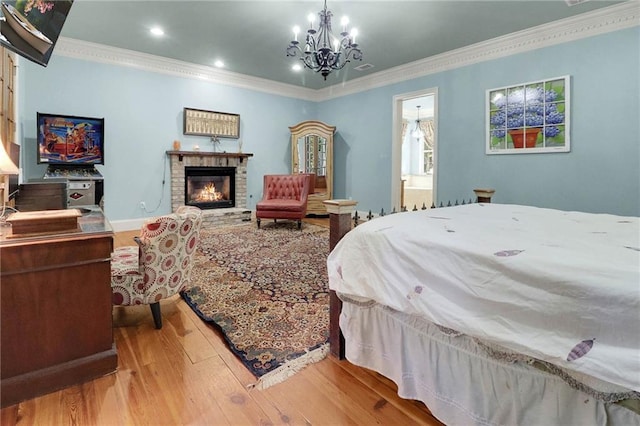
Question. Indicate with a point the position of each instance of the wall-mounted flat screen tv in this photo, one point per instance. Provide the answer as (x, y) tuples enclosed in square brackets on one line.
[(70, 140), (31, 27)]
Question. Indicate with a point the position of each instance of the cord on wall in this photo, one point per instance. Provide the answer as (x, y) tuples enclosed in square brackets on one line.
[(143, 205)]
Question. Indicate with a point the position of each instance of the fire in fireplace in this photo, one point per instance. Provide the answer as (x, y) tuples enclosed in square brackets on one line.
[(210, 187)]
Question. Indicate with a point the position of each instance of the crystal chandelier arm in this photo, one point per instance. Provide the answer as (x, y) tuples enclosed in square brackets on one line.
[(354, 53), (311, 45), (324, 28), (308, 62), (293, 48)]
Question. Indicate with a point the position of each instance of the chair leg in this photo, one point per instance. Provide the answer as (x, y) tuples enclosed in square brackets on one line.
[(258, 220), (157, 317), (299, 223)]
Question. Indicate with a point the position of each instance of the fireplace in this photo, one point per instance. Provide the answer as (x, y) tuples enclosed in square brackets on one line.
[(210, 187), (217, 214)]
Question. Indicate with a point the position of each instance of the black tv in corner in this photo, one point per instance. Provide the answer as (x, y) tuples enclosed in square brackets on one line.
[(31, 27)]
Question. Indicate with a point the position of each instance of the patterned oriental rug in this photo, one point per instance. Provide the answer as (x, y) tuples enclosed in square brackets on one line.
[(267, 291)]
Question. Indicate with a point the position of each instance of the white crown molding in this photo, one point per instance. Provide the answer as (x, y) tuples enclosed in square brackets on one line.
[(95, 52), (608, 19)]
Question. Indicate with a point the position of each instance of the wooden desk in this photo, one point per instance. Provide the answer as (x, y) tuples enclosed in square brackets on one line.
[(56, 326)]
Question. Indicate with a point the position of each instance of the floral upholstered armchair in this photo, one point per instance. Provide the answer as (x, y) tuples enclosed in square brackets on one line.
[(160, 265)]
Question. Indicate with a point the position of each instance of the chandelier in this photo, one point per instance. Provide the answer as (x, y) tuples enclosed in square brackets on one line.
[(417, 132), (323, 52)]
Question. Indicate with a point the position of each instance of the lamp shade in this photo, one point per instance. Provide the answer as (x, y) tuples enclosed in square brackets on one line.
[(6, 165)]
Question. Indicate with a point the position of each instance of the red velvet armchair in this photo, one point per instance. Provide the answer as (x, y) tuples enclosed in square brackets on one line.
[(284, 197)]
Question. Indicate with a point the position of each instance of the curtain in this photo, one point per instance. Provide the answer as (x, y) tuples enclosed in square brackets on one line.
[(428, 131)]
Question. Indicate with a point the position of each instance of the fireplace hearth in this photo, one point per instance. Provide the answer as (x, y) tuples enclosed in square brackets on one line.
[(210, 187)]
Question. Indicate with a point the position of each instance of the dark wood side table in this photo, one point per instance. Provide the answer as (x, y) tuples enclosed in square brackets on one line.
[(56, 325), (42, 196)]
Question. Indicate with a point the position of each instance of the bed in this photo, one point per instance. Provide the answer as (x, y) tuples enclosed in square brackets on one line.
[(497, 314)]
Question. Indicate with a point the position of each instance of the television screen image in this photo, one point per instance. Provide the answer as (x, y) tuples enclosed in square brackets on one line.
[(31, 27), (70, 140)]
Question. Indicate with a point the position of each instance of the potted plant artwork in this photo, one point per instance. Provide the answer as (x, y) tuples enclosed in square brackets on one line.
[(531, 117)]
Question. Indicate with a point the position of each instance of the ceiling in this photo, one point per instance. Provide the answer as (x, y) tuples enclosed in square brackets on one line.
[(251, 36)]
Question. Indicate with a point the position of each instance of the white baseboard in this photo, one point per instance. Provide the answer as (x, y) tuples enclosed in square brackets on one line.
[(128, 224)]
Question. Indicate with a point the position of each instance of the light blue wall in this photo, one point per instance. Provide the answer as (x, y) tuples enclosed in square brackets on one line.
[(143, 115), (600, 174)]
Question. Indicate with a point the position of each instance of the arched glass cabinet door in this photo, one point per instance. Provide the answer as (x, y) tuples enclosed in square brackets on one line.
[(312, 153)]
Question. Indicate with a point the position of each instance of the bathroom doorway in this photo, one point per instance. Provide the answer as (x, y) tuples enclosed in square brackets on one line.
[(415, 150)]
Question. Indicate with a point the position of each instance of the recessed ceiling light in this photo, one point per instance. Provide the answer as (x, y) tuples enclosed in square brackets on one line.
[(574, 2), (296, 67), (156, 31), (219, 64)]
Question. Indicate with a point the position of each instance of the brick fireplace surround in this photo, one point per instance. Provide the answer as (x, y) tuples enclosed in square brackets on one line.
[(212, 217)]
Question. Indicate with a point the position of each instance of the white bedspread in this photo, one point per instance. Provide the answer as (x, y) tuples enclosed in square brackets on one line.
[(533, 280)]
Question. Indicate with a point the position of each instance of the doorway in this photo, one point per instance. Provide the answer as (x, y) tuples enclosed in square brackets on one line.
[(415, 149)]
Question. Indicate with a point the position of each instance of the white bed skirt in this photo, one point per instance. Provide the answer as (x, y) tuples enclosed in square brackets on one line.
[(459, 382)]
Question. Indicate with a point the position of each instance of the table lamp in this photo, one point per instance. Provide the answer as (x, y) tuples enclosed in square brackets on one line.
[(6, 165), (6, 168)]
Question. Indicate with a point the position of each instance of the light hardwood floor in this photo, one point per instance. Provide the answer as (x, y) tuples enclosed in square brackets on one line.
[(185, 374)]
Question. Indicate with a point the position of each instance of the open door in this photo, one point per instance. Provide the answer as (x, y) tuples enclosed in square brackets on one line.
[(415, 150)]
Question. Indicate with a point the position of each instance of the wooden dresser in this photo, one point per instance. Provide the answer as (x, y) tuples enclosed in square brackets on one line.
[(56, 319)]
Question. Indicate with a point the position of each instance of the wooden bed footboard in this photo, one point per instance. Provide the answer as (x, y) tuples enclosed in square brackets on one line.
[(340, 212), (336, 339)]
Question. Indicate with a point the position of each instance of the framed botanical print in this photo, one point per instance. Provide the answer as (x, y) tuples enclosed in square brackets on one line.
[(529, 117)]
